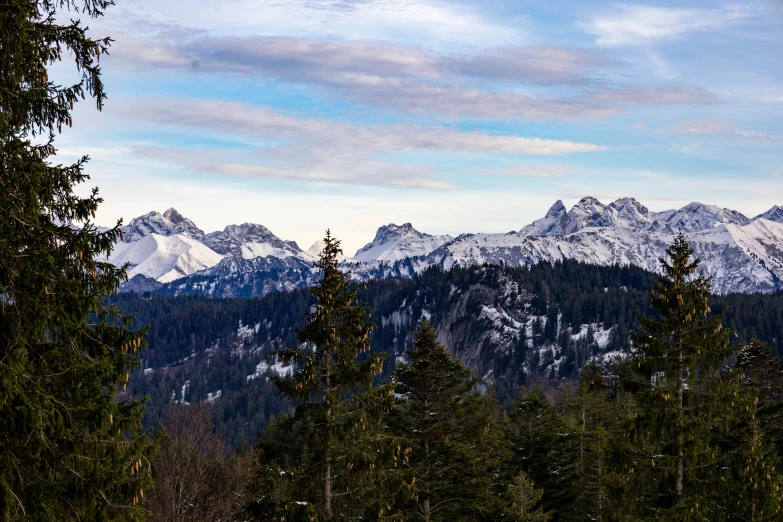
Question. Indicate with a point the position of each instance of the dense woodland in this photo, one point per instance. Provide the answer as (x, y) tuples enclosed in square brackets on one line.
[(196, 338)]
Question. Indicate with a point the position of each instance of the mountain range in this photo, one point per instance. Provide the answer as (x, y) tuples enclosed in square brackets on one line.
[(167, 253)]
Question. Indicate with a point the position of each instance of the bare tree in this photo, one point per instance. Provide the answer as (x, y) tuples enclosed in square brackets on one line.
[(195, 477)]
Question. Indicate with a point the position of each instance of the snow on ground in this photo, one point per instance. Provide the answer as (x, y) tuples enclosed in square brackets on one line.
[(277, 368)]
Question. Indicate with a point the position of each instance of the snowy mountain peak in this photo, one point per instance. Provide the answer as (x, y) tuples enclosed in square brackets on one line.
[(250, 240), (169, 223), (553, 224), (774, 214), (588, 212), (393, 242), (315, 250), (556, 210), (695, 217)]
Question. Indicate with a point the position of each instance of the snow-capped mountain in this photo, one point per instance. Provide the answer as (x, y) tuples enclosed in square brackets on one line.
[(249, 241), (168, 247), (164, 258), (741, 254), (393, 243), (629, 213), (169, 223), (774, 214)]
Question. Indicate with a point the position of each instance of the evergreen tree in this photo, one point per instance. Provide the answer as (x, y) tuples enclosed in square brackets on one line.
[(544, 448), (68, 449), (683, 398), (331, 450), (449, 431), (753, 480), (522, 502), (595, 422)]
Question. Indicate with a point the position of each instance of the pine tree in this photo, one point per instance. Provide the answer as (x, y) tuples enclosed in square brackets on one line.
[(332, 450), (449, 431), (68, 449), (683, 399)]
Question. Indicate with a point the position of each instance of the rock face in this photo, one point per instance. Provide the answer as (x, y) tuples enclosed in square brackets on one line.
[(741, 254), (249, 241), (393, 243)]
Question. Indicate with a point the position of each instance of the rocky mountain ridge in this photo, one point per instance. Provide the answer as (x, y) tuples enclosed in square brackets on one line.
[(741, 254)]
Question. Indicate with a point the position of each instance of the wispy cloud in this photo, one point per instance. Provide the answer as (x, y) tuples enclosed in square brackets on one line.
[(645, 25), (415, 80), (322, 150), (541, 170), (718, 127), (348, 62)]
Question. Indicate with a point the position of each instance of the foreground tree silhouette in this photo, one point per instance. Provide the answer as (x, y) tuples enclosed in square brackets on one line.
[(68, 449), (324, 463)]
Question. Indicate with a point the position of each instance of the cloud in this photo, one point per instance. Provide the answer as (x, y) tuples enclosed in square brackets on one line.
[(412, 79), (713, 126), (340, 137), (645, 25), (717, 127), (543, 170), (430, 22), (323, 151), (349, 62)]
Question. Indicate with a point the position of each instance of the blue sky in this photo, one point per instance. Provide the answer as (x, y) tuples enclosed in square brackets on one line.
[(457, 116)]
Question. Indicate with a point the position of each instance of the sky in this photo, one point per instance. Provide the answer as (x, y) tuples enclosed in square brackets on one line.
[(460, 116)]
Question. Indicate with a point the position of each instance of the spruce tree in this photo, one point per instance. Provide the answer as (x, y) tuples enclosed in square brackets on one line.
[(331, 452), (450, 433), (68, 449), (683, 400)]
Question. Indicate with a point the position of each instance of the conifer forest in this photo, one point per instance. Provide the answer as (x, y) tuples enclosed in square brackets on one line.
[(555, 391)]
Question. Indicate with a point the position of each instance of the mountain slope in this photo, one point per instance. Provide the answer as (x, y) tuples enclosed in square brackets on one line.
[(164, 258)]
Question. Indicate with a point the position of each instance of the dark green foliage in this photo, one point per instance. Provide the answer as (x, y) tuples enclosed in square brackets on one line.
[(684, 401), (544, 448), (69, 450), (333, 438), (450, 438), (521, 502)]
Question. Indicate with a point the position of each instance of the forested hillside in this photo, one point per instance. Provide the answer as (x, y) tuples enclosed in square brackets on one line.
[(513, 327)]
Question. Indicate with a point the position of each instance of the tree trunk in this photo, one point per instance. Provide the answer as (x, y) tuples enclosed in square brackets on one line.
[(680, 473), (426, 508), (327, 484)]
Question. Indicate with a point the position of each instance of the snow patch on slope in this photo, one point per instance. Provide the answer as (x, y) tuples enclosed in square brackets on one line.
[(164, 258)]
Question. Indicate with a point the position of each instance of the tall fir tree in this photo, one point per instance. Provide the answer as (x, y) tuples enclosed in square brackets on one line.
[(68, 449), (450, 431), (683, 401), (330, 454)]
